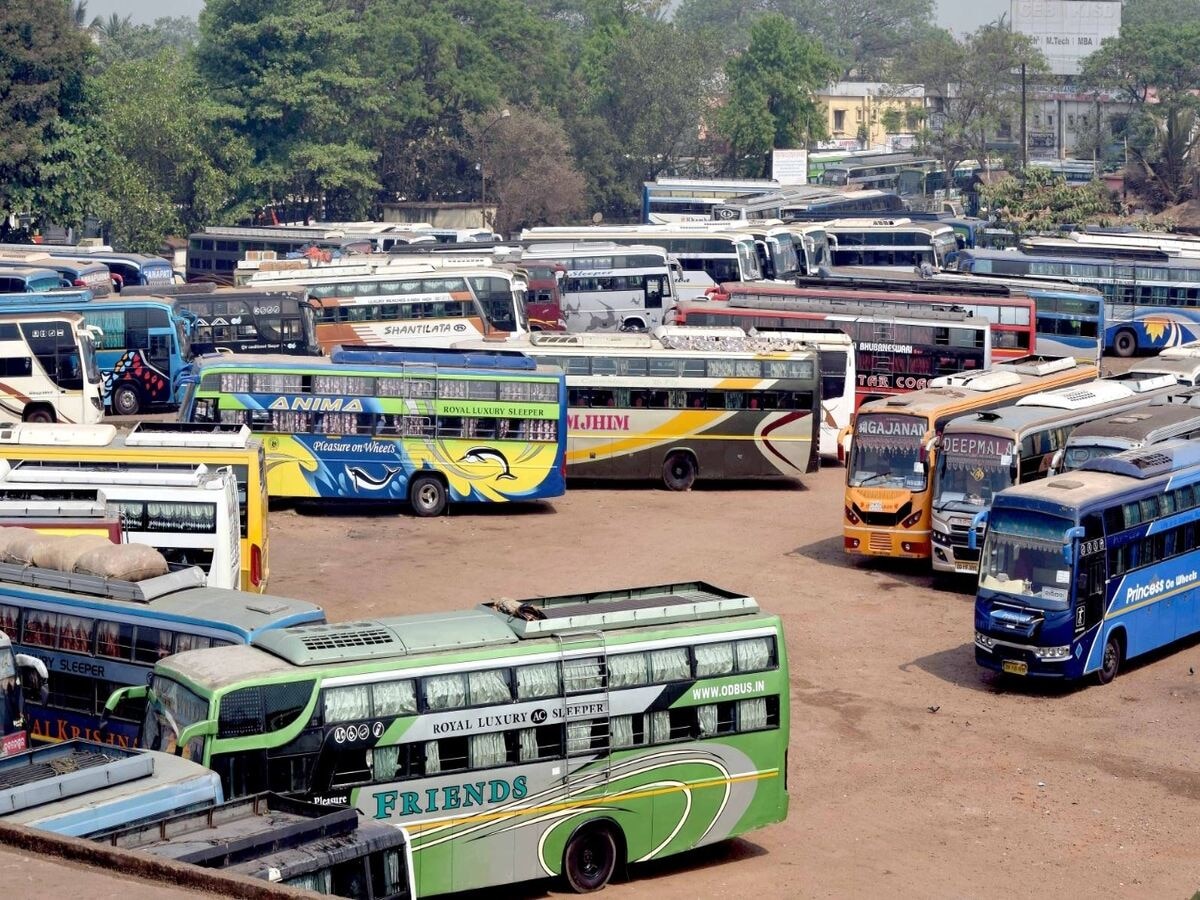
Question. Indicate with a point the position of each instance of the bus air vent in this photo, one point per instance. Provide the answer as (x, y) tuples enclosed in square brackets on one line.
[(343, 637), (1040, 365)]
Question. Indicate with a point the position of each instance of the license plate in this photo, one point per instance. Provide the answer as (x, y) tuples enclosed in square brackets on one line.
[(1015, 667), (966, 568)]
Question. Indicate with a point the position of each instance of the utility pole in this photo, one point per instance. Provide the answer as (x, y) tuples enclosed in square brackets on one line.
[(504, 114), (1024, 135)]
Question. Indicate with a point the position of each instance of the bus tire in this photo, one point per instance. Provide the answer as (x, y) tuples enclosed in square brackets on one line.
[(590, 858), (1125, 343), (679, 471), (126, 401), (633, 325), (39, 413), (1110, 662), (427, 496)]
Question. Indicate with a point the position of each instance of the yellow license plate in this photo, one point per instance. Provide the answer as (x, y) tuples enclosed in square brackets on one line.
[(1015, 667)]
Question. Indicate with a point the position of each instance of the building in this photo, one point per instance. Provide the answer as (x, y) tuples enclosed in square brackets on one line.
[(856, 113)]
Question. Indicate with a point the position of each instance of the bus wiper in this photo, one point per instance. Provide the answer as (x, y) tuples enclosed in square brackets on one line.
[(873, 477)]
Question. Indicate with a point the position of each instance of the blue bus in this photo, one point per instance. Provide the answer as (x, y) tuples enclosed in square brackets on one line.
[(1088, 569), (87, 274), (143, 348), (1151, 304), (96, 635), (30, 280), (125, 268), (666, 199)]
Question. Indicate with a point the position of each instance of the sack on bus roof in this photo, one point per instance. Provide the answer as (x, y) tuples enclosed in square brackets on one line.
[(62, 553), (22, 544), (127, 562)]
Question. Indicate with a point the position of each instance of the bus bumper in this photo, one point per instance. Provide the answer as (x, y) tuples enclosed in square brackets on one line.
[(951, 556), (886, 543), (1019, 661)]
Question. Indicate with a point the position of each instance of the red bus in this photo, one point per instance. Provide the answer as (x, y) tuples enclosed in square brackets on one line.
[(1013, 319), (543, 299)]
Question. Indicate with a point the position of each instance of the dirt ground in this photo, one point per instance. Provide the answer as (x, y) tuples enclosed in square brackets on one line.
[(910, 774)]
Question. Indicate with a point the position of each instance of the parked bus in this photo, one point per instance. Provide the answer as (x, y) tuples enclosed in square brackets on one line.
[(432, 428), (1149, 304), (1093, 568), (19, 674), (88, 274), (188, 514), (1011, 318), (1181, 363), (561, 735), (213, 254), (400, 306), (670, 200), (875, 172), (894, 450), (610, 287), (48, 370), (162, 446), (982, 453), (889, 243), (77, 787), (127, 269), (328, 850), (98, 634), (89, 513), (706, 257), (893, 354), (838, 376), (30, 280), (1069, 319), (543, 299), (143, 346), (683, 404), (240, 320), (1174, 418)]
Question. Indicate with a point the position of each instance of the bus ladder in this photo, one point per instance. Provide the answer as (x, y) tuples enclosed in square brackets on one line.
[(884, 334), (576, 678)]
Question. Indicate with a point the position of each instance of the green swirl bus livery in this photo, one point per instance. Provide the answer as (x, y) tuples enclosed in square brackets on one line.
[(518, 740)]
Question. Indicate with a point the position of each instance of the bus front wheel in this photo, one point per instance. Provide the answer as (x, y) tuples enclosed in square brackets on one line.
[(590, 858), (1125, 343), (427, 495), (679, 471), (1111, 662), (125, 400), (39, 414)]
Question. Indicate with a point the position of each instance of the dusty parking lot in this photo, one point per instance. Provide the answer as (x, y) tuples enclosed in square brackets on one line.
[(911, 773)]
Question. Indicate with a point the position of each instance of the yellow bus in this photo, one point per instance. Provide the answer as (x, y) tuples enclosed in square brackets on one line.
[(161, 445), (893, 452)]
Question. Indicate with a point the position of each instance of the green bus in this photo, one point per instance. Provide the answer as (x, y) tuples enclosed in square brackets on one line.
[(560, 736)]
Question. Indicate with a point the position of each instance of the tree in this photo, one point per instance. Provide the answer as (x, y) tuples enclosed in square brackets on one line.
[(1041, 200), (978, 80), (179, 35), (1136, 13), (113, 29), (531, 169), (1155, 68), (771, 103), (42, 60)]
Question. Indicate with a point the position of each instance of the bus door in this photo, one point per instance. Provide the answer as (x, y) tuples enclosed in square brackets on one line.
[(1092, 581), (654, 289)]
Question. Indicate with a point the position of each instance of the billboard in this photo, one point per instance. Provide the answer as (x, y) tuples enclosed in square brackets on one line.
[(789, 166), (1066, 30)]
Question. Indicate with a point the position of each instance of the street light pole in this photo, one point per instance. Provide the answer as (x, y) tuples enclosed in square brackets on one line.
[(504, 114)]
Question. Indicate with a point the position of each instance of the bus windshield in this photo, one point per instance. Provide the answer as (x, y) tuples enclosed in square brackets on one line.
[(1023, 555), (170, 709), (1075, 457), (87, 346), (973, 468), (10, 696), (748, 257), (886, 452)]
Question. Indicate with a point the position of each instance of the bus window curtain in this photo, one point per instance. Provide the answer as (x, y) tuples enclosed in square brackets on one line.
[(489, 687), (537, 681), (753, 655), (669, 665), (445, 691), (394, 698), (485, 751), (347, 703), (579, 737), (752, 714), (582, 674), (714, 659), (529, 744), (319, 882), (384, 763), (660, 726), (707, 717), (622, 731), (433, 759), (627, 670)]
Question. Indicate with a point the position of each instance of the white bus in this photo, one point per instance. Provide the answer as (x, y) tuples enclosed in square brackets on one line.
[(48, 370), (889, 243), (838, 379), (187, 513), (610, 287), (1181, 362)]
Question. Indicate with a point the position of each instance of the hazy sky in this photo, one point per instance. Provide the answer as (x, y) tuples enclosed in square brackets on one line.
[(957, 15)]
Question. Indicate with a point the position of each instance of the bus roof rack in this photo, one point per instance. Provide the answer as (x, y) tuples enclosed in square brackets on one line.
[(1149, 462), (47, 774), (113, 588), (188, 434), (50, 434), (442, 359), (1040, 365)]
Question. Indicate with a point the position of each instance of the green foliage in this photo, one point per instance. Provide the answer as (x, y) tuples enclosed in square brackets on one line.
[(1155, 67), (42, 60), (178, 35), (1136, 13), (1042, 200), (771, 103)]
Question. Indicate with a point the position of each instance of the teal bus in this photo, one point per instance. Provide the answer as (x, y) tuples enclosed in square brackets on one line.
[(433, 427), (519, 740)]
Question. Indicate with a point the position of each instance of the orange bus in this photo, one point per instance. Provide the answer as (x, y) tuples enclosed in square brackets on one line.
[(893, 451)]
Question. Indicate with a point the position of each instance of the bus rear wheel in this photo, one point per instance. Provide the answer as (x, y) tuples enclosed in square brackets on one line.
[(427, 495), (679, 471), (590, 859), (125, 400), (40, 414), (1125, 343), (1110, 663)]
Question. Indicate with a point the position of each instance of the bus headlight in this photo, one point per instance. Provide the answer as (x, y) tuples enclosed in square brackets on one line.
[(913, 519), (1053, 653), (984, 641)]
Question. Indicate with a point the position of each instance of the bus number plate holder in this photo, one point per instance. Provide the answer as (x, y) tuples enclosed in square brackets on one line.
[(1015, 667)]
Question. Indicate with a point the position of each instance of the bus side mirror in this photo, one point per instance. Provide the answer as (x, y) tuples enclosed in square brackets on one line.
[(1073, 536), (977, 523), (34, 676), (119, 696), (845, 438), (191, 733)]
